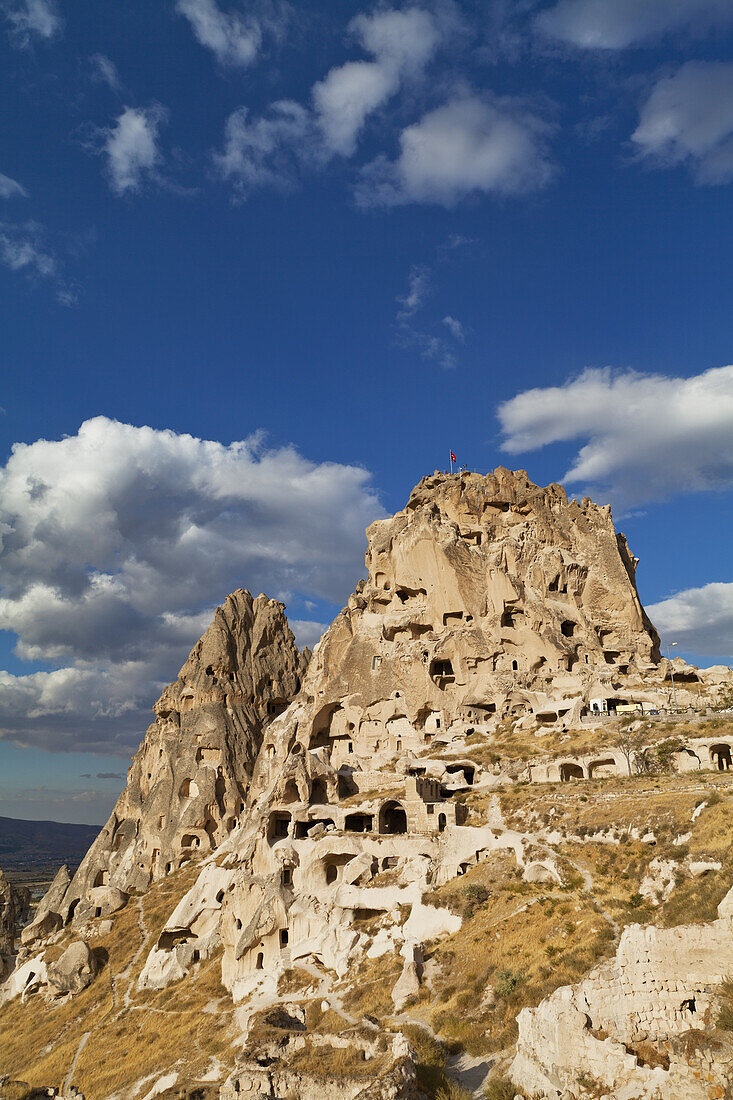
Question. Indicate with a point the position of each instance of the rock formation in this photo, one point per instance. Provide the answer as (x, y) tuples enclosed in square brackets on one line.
[(486, 599), (14, 911), (320, 806), (660, 985), (187, 785)]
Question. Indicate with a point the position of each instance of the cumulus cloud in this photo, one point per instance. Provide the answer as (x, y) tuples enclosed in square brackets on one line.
[(616, 24), (700, 620), (401, 42), (308, 632), (688, 120), (118, 542), (235, 39), (469, 146), (275, 147), (131, 148), (266, 150), (648, 436), (30, 19), (10, 188)]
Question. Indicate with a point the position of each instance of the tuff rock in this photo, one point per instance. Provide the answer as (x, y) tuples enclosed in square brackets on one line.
[(75, 970), (14, 911), (188, 782), (319, 805)]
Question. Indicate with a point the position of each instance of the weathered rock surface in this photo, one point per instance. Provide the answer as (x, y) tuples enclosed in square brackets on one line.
[(14, 911), (326, 812), (270, 1070), (486, 598), (75, 970), (188, 782), (661, 985), (47, 918)]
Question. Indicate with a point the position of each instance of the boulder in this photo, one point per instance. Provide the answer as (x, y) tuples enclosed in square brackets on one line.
[(75, 970)]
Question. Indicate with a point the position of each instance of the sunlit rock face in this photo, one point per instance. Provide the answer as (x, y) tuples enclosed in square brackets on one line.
[(324, 802), (486, 598), (188, 782)]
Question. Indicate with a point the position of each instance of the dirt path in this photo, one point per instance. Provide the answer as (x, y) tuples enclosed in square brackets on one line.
[(144, 935), (72, 1068)]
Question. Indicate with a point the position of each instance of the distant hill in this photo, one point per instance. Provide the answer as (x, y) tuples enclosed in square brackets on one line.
[(27, 845)]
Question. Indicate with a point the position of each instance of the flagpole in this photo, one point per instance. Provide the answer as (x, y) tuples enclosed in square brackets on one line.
[(451, 461)]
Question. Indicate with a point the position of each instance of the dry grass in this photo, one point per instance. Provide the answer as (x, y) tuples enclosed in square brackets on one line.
[(157, 1031), (521, 940), (370, 986), (375, 794), (331, 1061)]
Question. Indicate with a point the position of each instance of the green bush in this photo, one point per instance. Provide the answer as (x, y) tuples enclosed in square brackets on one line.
[(506, 981)]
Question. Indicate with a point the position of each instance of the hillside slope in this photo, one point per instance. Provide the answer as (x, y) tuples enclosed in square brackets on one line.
[(448, 847)]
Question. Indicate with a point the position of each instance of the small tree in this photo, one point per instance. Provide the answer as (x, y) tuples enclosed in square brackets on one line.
[(657, 759), (629, 742)]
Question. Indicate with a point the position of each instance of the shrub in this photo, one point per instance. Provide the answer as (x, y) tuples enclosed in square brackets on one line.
[(454, 1092), (725, 1016), (477, 893), (500, 1088), (506, 981)]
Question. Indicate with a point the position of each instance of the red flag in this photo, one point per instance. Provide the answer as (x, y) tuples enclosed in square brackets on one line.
[(453, 457)]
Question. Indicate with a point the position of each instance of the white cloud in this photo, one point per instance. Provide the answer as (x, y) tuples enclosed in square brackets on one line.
[(264, 151), (649, 437), (418, 284), (467, 147), (402, 42), (105, 70), (307, 632), (455, 328), (700, 620), (616, 24), (420, 333), (688, 119), (118, 542), (131, 148), (272, 149), (25, 249), (232, 37), (10, 188), (29, 18), (21, 250), (346, 98), (429, 346)]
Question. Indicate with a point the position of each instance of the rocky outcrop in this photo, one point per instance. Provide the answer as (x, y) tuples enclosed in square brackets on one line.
[(75, 970), (15, 904), (292, 1065), (187, 786), (487, 598), (47, 918), (660, 986), (327, 810)]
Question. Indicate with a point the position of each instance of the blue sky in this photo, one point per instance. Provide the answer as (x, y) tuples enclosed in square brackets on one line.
[(261, 265)]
